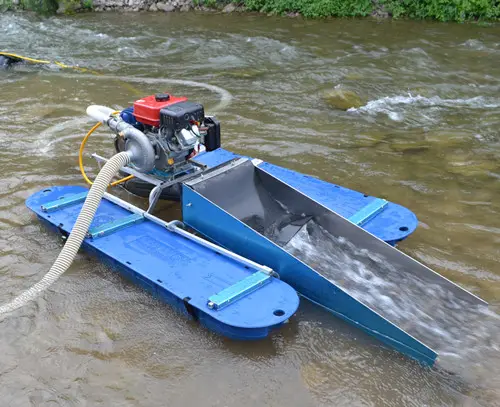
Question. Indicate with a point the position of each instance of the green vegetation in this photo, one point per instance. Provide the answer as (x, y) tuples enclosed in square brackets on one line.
[(47, 7), (444, 10), (441, 10), (313, 8), (206, 3), (70, 6)]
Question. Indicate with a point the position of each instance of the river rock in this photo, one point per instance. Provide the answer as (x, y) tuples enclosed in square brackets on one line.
[(165, 7), (153, 7), (231, 7), (342, 99), (378, 13), (186, 7)]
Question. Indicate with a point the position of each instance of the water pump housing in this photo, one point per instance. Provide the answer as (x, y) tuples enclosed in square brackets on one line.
[(176, 128)]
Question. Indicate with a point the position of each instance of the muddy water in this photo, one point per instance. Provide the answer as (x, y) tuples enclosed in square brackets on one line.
[(427, 138)]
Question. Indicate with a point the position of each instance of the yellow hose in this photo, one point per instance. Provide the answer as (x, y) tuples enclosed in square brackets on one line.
[(80, 158)]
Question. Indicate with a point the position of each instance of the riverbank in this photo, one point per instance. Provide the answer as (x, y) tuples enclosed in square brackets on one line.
[(440, 10)]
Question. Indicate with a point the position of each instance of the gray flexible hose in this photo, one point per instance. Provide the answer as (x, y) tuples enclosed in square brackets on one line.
[(75, 239)]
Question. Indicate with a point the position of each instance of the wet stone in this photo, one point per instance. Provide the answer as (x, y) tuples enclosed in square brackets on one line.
[(229, 8), (342, 99)]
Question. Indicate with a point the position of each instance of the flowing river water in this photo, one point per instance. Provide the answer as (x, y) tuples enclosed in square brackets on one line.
[(427, 138)]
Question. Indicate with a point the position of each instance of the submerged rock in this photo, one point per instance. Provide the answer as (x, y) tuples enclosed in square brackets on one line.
[(420, 91), (410, 147), (470, 165), (448, 139), (342, 99)]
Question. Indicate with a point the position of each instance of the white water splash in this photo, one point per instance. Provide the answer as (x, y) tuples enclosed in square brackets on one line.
[(395, 106), (466, 336)]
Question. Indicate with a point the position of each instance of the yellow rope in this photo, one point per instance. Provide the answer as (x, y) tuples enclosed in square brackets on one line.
[(80, 158), (35, 61)]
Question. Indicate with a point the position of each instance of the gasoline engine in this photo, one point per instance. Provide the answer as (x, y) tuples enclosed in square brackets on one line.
[(176, 128)]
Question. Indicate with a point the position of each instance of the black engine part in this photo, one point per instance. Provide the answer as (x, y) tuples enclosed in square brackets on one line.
[(179, 115), (212, 139)]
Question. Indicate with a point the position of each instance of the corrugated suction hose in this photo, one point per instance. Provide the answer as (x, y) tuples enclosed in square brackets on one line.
[(75, 239)]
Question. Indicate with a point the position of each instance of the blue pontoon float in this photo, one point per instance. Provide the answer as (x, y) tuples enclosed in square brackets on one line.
[(227, 263)]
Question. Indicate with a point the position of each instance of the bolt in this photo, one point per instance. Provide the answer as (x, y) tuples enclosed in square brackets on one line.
[(211, 305)]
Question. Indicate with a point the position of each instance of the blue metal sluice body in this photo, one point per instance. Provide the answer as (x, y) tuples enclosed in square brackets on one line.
[(177, 270), (244, 207)]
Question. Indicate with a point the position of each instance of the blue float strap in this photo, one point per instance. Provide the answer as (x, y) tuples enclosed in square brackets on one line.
[(64, 202), (238, 290), (369, 211), (113, 226), (98, 231)]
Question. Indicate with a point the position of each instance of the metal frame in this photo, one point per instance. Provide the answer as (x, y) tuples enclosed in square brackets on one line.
[(155, 193), (223, 168)]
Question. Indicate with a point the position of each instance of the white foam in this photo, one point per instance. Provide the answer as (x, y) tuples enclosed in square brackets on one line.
[(395, 106), (455, 329)]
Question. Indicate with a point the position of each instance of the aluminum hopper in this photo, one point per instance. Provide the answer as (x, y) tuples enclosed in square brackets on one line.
[(325, 257)]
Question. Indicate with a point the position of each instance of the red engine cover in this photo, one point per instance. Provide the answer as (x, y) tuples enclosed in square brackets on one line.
[(147, 110)]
